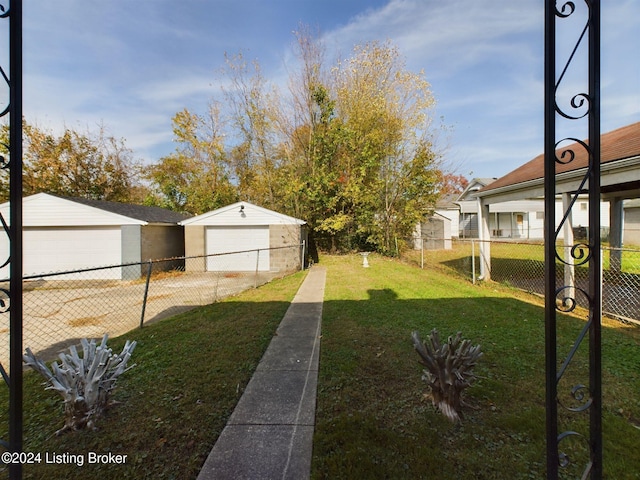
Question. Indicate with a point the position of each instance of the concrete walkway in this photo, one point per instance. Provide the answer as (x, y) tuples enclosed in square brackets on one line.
[(270, 433)]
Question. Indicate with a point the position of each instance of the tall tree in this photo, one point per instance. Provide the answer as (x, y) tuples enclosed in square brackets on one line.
[(452, 183), (255, 116), (312, 145), (195, 178), (350, 152), (390, 165), (90, 165)]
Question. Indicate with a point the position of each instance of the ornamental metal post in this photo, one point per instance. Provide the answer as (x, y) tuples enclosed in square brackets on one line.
[(572, 110), (11, 300)]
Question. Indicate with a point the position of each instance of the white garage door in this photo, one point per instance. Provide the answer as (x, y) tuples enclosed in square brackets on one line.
[(244, 240), (47, 250)]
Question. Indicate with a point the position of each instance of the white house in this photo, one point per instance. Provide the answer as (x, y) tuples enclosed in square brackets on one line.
[(252, 237), (619, 186), (632, 222), (521, 219), (467, 204), (62, 234)]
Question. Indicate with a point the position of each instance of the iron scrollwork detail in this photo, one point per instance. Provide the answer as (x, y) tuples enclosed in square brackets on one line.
[(5, 164), (564, 459), (11, 294), (569, 107), (579, 102)]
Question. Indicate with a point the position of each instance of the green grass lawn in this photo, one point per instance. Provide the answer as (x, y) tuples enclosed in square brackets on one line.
[(374, 419), (527, 259), (190, 372)]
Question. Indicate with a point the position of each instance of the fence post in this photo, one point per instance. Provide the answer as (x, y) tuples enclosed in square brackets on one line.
[(215, 288), (146, 293), (422, 253), (473, 261), (255, 280)]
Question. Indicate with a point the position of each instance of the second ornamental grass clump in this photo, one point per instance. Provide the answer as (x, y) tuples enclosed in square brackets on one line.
[(449, 369)]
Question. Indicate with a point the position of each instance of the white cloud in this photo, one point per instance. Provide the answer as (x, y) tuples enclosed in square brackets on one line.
[(133, 65), (453, 33)]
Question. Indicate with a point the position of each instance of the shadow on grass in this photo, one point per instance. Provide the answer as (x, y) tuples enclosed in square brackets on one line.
[(619, 289), (373, 420)]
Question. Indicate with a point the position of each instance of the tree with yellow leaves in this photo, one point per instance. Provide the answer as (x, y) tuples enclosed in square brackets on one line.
[(91, 165)]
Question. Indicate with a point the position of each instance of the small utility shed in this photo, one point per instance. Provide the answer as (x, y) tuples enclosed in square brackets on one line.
[(241, 230), (434, 233), (62, 234)]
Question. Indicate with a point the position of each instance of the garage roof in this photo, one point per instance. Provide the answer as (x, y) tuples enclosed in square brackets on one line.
[(47, 210), (242, 213), (139, 212)]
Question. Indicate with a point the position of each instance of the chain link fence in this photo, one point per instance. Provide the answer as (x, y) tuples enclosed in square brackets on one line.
[(521, 265), (63, 307)]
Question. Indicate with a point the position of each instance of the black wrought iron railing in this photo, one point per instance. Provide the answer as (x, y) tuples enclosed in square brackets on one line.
[(572, 448), (11, 298)]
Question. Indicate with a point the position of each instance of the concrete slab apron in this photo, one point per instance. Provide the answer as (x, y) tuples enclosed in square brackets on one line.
[(270, 433)]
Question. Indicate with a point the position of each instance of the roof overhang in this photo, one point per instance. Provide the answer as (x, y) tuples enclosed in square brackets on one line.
[(619, 178)]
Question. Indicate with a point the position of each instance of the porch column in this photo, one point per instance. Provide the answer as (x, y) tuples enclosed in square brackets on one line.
[(616, 228), (485, 240), (569, 269)]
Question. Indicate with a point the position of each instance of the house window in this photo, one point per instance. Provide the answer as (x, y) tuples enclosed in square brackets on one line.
[(583, 206), (539, 215)]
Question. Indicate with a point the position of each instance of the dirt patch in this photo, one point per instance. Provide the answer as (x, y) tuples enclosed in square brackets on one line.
[(86, 321), (150, 298)]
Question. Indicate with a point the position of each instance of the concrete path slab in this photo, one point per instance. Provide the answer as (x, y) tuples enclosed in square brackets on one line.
[(270, 433), (249, 452), (283, 354)]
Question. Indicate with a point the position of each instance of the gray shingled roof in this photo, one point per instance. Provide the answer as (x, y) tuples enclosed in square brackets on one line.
[(447, 201), (139, 212)]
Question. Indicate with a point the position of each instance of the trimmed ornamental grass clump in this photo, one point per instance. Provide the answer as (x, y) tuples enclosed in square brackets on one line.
[(449, 370), (85, 382)]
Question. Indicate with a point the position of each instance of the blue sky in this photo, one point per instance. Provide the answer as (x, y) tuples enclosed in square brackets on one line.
[(131, 65)]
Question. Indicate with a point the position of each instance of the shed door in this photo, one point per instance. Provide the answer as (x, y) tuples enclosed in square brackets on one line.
[(59, 249), (245, 241)]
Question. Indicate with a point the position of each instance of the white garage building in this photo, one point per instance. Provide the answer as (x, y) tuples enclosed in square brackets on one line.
[(250, 237), (63, 234)]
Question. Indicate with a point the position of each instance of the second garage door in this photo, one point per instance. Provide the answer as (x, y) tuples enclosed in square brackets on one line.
[(244, 241), (48, 250)]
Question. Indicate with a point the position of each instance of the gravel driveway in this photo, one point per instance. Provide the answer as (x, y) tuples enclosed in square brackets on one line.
[(60, 313)]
